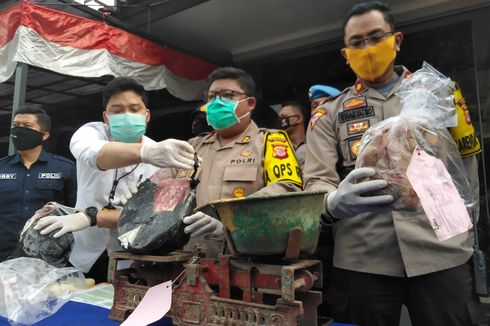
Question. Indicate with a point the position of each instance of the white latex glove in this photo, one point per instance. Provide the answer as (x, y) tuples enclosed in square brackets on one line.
[(347, 200), (126, 194), (203, 224), (169, 153), (66, 223)]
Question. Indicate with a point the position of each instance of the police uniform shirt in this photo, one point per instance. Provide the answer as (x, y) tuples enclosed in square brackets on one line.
[(301, 153), (23, 191), (233, 170), (390, 243)]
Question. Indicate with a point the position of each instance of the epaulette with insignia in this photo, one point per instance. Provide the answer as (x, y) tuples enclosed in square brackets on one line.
[(209, 138)]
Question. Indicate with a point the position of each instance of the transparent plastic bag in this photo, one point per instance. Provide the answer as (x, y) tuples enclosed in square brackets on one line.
[(427, 111), (55, 251), (31, 289)]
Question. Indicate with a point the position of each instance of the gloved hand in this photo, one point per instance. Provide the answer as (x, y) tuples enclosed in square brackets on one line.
[(168, 153), (347, 200), (67, 223), (203, 224), (126, 194)]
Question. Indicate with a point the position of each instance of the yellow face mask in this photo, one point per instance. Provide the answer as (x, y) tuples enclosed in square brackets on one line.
[(371, 63)]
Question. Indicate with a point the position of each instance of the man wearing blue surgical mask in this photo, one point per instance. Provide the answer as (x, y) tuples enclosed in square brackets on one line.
[(112, 157)]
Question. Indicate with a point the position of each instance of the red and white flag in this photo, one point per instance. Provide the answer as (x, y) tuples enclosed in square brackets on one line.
[(77, 46)]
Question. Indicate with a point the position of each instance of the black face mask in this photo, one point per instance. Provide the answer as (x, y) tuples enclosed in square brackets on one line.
[(25, 138), (285, 122)]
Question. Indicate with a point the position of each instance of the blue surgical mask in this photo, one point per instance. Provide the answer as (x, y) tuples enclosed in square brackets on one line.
[(221, 114), (127, 127)]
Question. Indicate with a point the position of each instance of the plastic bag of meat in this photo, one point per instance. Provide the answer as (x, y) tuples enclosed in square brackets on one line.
[(152, 220), (427, 111), (54, 251)]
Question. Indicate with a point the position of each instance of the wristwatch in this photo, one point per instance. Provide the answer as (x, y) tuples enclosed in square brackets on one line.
[(91, 212), (328, 218)]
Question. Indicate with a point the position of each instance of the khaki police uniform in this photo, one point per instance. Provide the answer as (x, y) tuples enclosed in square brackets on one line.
[(242, 168), (390, 243)]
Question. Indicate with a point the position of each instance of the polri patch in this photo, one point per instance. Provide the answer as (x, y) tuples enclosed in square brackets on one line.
[(355, 114), (355, 102), (357, 127), (51, 176), (8, 176)]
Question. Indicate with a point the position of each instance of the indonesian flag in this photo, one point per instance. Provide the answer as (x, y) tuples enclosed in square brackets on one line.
[(77, 46)]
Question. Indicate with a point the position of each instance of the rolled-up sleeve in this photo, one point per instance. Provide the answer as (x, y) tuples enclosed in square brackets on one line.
[(86, 143)]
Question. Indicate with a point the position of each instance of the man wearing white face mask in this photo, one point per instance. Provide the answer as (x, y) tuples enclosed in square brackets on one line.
[(112, 158), (238, 158)]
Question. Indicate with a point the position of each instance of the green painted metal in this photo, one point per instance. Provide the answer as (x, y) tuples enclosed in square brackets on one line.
[(260, 225)]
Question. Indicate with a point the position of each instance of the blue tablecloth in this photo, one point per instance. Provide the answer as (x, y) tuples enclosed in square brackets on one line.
[(82, 314), (75, 314)]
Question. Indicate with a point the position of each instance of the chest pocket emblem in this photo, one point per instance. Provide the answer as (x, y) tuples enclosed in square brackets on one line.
[(239, 192), (354, 146), (246, 153), (357, 127)]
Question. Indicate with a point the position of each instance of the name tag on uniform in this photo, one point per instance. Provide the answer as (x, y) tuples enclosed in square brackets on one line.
[(353, 114), (8, 176), (49, 176)]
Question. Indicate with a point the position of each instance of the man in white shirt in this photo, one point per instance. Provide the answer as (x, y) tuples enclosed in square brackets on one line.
[(112, 157)]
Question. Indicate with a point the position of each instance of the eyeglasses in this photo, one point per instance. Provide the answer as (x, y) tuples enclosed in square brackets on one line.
[(225, 94), (371, 39)]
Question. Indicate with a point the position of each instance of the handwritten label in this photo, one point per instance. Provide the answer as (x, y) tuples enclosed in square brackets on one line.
[(438, 195)]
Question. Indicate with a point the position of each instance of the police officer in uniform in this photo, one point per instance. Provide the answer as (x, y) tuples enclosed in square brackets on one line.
[(31, 177), (383, 258), (319, 93), (292, 120), (238, 158)]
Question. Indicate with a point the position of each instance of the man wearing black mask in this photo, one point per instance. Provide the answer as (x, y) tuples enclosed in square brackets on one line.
[(31, 177), (291, 120)]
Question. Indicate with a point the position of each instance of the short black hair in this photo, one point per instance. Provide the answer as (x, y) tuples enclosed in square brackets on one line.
[(300, 108), (42, 117), (364, 7), (123, 84), (245, 81)]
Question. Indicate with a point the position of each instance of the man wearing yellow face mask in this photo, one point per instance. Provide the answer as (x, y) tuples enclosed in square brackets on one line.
[(382, 259)]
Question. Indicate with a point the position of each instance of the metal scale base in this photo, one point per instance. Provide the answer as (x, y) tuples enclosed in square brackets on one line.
[(237, 291)]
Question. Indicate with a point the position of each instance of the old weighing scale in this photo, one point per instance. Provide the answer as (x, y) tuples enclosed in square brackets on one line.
[(262, 281)]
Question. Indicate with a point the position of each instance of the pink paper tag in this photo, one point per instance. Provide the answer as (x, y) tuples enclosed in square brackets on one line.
[(155, 304), (438, 195)]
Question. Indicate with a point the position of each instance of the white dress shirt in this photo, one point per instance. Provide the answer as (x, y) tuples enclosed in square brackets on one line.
[(94, 187)]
